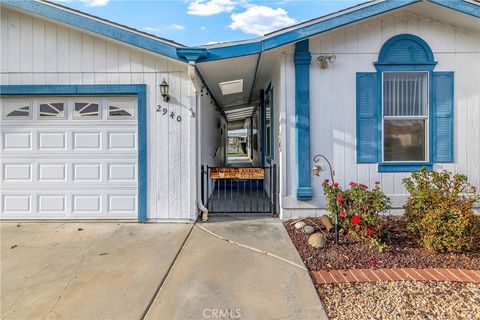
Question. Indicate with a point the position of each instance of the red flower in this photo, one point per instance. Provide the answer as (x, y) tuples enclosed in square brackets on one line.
[(353, 184), (373, 262), (342, 215), (369, 230), (356, 220), (335, 184), (339, 198), (363, 186), (326, 181), (377, 182)]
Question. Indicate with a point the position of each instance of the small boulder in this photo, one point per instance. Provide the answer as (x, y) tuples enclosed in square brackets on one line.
[(317, 240), (299, 225), (308, 229)]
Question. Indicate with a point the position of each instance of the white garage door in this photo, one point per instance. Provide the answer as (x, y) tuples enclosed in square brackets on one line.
[(69, 157)]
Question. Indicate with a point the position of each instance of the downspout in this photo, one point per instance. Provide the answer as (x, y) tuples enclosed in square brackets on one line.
[(192, 75)]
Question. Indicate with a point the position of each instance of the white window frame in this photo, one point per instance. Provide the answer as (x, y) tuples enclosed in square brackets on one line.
[(48, 101), (126, 99), (91, 101), (5, 102), (426, 118)]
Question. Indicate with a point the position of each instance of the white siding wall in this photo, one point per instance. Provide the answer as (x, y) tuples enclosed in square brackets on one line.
[(332, 98), (34, 51)]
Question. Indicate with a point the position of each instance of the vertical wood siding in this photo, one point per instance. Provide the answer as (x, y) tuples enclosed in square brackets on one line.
[(332, 110), (35, 51)]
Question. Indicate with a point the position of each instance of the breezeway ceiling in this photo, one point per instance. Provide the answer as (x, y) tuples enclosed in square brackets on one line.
[(241, 68)]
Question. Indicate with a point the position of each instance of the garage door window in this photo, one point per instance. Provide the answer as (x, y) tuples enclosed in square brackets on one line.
[(53, 110), (17, 110), (121, 109), (86, 110)]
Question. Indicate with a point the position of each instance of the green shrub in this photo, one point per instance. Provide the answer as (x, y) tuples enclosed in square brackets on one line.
[(439, 210), (450, 229)]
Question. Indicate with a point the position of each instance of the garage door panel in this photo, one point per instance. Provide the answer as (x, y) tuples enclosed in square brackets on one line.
[(70, 167), (52, 140), (52, 172), (15, 141), (16, 172), (122, 141), (17, 203), (52, 204), (87, 140), (122, 172)]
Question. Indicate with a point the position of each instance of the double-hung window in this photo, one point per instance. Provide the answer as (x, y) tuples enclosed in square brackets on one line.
[(405, 110), (405, 116)]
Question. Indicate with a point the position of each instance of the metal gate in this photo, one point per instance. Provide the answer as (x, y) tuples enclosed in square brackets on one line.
[(239, 190)]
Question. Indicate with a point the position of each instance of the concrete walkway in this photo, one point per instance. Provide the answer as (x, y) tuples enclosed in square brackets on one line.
[(212, 276), (129, 270)]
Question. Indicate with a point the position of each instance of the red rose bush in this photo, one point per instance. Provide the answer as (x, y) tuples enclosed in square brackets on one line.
[(357, 209)]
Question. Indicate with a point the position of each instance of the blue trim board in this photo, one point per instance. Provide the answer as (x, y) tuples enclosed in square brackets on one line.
[(460, 6), (178, 52), (403, 166), (262, 125), (302, 60), (136, 89), (95, 26)]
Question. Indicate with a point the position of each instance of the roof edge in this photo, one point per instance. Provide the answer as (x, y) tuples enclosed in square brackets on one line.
[(98, 26)]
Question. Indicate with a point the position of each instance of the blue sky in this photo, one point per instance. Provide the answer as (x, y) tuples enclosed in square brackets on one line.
[(195, 22)]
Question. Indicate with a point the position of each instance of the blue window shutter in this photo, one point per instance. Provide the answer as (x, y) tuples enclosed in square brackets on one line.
[(367, 117), (443, 112)]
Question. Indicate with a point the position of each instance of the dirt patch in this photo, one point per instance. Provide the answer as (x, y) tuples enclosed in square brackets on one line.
[(402, 251)]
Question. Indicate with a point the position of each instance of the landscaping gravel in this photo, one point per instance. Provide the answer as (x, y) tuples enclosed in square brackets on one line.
[(402, 300), (402, 251)]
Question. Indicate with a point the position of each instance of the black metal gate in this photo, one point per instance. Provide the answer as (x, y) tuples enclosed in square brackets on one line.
[(239, 195)]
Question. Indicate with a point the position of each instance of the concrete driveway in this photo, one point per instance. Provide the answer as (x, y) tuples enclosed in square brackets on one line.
[(84, 270), (136, 271)]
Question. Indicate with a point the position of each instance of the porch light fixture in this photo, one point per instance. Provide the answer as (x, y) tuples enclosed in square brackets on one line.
[(164, 87), (324, 61)]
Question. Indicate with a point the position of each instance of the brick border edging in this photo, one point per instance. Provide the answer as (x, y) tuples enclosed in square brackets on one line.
[(395, 274)]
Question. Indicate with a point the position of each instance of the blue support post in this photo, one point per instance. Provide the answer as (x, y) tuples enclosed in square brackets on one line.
[(302, 119)]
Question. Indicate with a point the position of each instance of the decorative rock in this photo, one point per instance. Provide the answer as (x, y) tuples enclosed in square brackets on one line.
[(317, 240), (299, 225), (308, 229)]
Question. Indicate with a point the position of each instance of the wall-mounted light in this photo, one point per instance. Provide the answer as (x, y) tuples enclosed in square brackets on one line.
[(164, 87), (324, 61)]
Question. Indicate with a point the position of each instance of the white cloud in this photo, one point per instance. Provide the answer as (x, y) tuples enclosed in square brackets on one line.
[(203, 28), (260, 20), (95, 3), (210, 7), (175, 26)]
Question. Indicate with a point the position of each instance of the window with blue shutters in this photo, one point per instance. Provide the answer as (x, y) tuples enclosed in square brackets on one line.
[(405, 110)]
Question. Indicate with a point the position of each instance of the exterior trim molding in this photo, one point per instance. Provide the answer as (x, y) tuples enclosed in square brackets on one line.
[(227, 50), (89, 24), (393, 51), (137, 89), (403, 166), (302, 60), (192, 54), (460, 6)]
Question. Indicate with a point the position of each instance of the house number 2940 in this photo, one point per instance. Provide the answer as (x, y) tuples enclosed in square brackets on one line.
[(164, 112)]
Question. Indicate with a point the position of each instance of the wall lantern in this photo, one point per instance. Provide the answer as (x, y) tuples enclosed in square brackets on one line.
[(164, 87), (324, 61)]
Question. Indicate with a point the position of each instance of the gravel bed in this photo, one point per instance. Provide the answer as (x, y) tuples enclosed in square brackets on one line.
[(402, 251), (402, 300)]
